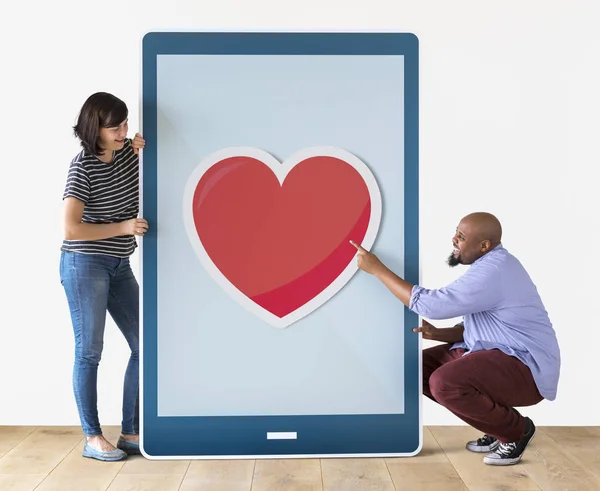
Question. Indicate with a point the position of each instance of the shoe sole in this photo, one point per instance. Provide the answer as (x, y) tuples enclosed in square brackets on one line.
[(96, 457), (502, 462), (130, 451), (480, 449)]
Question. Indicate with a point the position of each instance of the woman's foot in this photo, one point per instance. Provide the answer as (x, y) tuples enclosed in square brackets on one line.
[(100, 443), (131, 438), (99, 448), (129, 444)]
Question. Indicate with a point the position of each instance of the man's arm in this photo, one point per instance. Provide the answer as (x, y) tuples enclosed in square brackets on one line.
[(402, 289), (370, 263), (451, 334), (474, 291)]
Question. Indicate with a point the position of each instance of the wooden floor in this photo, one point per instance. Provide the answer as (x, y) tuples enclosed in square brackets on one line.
[(49, 458)]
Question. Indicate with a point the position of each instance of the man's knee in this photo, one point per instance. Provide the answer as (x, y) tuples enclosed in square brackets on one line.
[(432, 360), (428, 356), (443, 386)]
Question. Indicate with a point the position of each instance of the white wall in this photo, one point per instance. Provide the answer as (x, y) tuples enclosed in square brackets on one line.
[(510, 118)]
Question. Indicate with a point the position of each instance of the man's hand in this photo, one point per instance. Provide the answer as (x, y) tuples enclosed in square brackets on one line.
[(429, 331), (371, 264), (445, 335), (368, 261)]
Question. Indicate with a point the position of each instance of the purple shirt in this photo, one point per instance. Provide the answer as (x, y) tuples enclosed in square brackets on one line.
[(501, 309)]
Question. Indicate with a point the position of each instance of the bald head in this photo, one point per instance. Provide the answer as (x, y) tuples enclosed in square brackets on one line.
[(476, 235), (484, 226)]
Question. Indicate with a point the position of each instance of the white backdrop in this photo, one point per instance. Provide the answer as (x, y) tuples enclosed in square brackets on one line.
[(510, 118)]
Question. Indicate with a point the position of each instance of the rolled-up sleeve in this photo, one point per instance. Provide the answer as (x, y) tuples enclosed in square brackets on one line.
[(475, 291)]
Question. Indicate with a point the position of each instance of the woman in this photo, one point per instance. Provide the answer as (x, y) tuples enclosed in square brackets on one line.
[(101, 204)]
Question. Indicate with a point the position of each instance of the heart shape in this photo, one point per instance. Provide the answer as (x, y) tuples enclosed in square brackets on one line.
[(276, 235)]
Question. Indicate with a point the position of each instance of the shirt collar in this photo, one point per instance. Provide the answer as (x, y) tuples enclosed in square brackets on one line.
[(496, 249)]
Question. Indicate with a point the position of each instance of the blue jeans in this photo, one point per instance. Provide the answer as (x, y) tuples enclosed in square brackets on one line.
[(95, 284)]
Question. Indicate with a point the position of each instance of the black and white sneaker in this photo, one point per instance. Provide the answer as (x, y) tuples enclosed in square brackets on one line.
[(511, 453), (484, 444)]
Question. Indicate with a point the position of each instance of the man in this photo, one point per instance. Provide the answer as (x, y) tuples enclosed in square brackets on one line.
[(504, 353)]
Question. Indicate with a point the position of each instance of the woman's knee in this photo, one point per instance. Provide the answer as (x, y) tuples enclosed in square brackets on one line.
[(89, 356)]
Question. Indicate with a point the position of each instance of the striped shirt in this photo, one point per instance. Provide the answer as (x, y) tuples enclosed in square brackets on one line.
[(110, 192)]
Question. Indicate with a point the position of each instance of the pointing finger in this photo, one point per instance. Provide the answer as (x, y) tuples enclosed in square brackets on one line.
[(360, 248)]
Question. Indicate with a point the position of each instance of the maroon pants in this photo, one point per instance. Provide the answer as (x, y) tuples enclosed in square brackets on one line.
[(481, 388)]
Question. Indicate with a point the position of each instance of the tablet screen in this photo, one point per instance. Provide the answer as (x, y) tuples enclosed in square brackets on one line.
[(259, 168)]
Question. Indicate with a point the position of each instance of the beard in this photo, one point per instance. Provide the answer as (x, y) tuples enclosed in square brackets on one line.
[(453, 260)]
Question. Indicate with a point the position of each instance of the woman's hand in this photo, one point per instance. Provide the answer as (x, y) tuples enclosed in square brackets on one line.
[(137, 143), (135, 226)]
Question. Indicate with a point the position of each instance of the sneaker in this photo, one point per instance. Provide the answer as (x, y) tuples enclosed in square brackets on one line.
[(484, 444), (511, 453)]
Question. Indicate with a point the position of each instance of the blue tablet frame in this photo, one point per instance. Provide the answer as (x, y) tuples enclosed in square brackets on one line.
[(245, 437)]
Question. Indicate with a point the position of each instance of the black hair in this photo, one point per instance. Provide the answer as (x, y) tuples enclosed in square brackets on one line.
[(101, 110)]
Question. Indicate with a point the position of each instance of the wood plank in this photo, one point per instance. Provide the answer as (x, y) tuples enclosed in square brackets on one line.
[(137, 464), (553, 469), (428, 476), (365, 474), (452, 439), (75, 483), (41, 451), (20, 482), (430, 469), (11, 436), (430, 453), (219, 475), (581, 443), (76, 472), (288, 475), (577, 437), (146, 482), (140, 474), (476, 475)]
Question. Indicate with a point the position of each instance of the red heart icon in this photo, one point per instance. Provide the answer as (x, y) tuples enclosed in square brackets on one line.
[(276, 236)]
